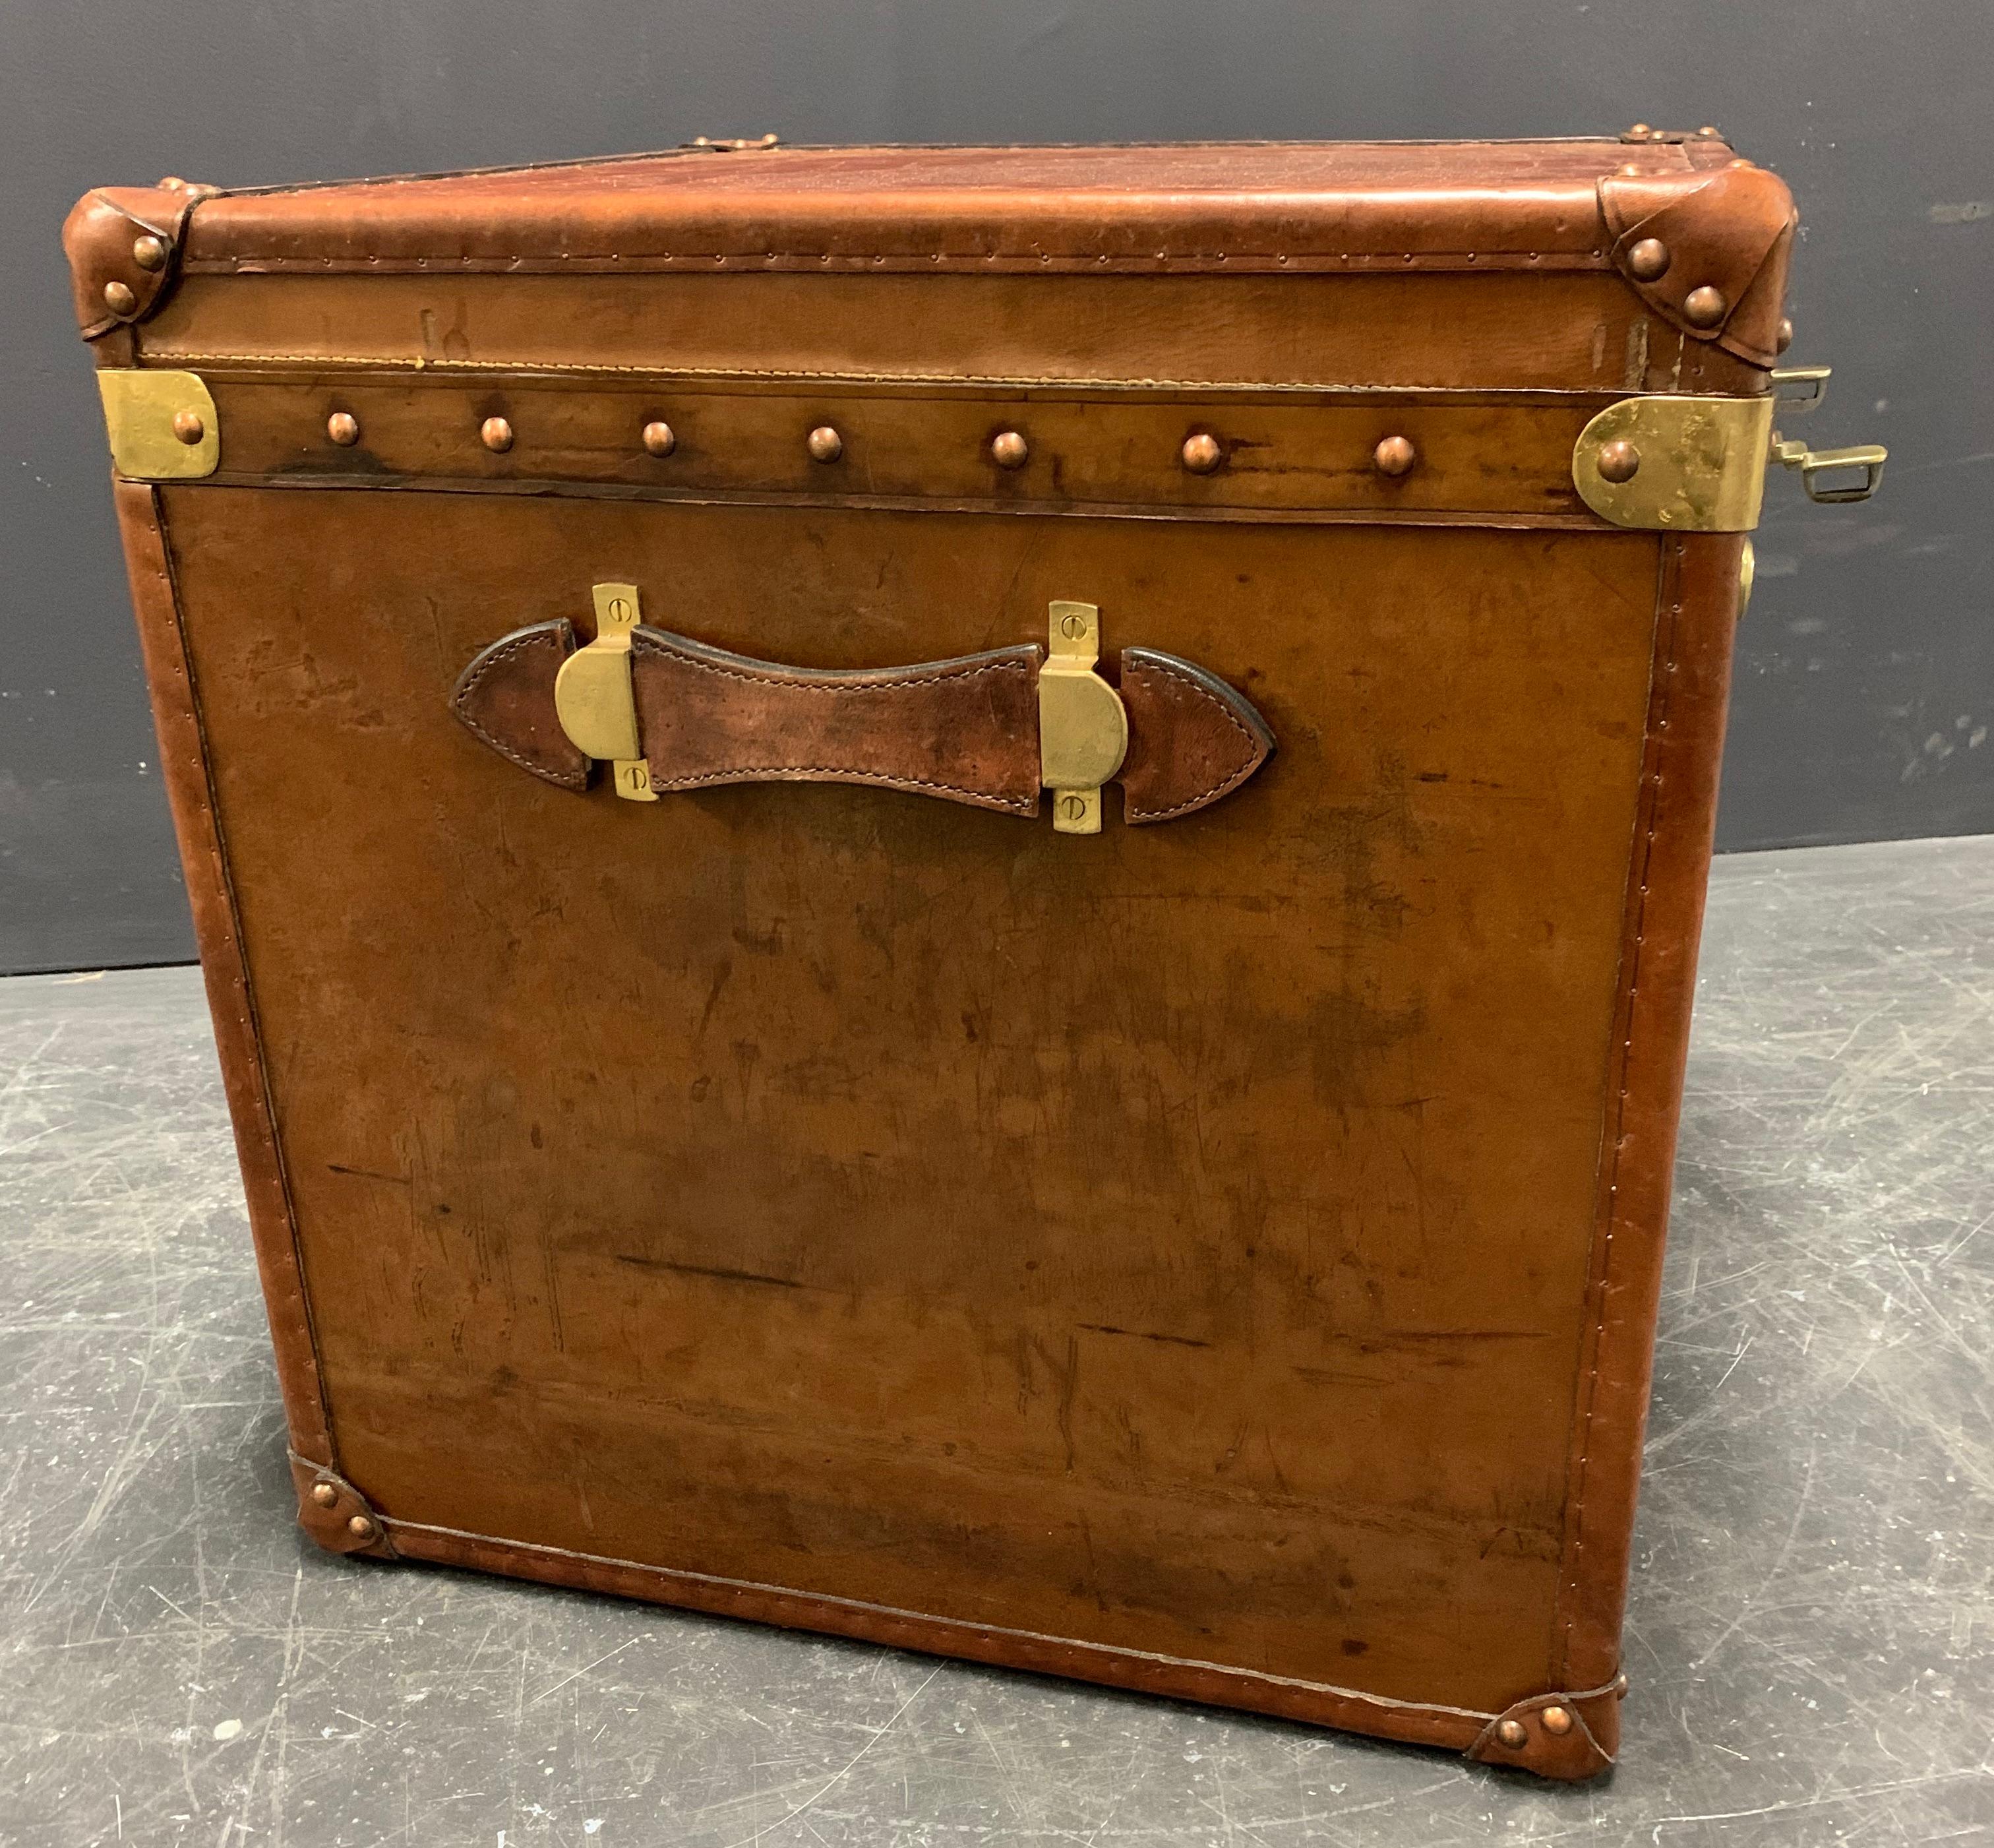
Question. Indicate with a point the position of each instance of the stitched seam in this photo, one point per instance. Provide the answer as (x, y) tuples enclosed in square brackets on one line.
[(1661, 716), (1233, 781), (744, 773), (907, 678), (464, 692)]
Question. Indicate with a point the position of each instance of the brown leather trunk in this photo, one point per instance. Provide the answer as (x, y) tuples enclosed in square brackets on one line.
[(1216, 1253)]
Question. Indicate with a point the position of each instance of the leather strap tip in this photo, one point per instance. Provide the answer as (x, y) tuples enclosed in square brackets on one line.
[(1193, 739), (506, 700)]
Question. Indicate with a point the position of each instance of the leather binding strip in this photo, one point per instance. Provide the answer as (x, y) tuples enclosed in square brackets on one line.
[(965, 730)]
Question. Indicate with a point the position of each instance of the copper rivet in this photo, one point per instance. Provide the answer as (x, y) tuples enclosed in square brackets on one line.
[(1782, 337), (1514, 1734), (496, 434), (1708, 132), (1202, 453), (344, 428), (188, 427), (1705, 307), (824, 444), (324, 1494), (1648, 259), (660, 438), (148, 253), (361, 1528), (1640, 132), (1394, 457), (1557, 1719), (119, 298), (1618, 460), (1008, 449)]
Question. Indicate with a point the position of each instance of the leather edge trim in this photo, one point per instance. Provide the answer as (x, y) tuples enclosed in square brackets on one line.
[(1317, 1703), (184, 769), (561, 632), (346, 1522), (1589, 1744), (1668, 874)]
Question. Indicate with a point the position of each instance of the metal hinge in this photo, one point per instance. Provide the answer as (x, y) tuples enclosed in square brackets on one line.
[(161, 425), (1698, 464)]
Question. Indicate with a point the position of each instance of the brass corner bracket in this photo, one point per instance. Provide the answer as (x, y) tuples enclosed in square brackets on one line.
[(162, 424), (1670, 463)]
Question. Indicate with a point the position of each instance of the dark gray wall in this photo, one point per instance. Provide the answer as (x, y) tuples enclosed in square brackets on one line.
[(1866, 685)]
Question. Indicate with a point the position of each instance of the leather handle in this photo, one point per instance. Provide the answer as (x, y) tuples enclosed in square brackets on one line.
[(964, 730)]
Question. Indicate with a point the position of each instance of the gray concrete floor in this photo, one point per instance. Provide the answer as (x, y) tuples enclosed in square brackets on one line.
[(1811, 1641)]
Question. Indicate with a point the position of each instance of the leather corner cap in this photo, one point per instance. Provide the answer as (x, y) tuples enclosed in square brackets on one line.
[(506, 699), (1192, 738), (336, 1514), (1732, 232), (123, 243), (1567, 1737)]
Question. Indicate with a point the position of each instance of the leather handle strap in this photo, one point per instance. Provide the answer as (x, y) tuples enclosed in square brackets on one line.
[(965, 730)]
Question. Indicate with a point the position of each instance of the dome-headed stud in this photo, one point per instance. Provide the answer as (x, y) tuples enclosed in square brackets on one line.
[(1513, 1734), (1705, 307), (1783, 335), (1201, 453), (149, 253), (1648, 259), (1394, 457), (1557, 1720), (360, 1528), (1009, 449), (324, 1494), (660, 438), (824, 444), (344, 428), (496, 434), (188, 427), (119, 298), (1618, 460)]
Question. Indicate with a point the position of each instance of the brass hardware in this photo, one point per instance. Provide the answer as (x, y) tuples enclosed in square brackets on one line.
[(324, 1494), (496, 434), (824, 444), (344, 428), (149, 253), (119, 298), (1797, 389), (593, 697), (706, 144), (1083, 728), (360, 1528), (1619, 461), (1009, 449), (1649, 260), (1514, 1734), (161, 425), (1201, 453), (1701, 463), (1394, 457), (1556, 1721), (1748, 569), (1782, 337), (1814, 463), (1705, 307), (659, 439)]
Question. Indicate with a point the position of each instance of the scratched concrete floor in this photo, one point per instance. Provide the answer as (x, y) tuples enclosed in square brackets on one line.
[(1811, 1636)]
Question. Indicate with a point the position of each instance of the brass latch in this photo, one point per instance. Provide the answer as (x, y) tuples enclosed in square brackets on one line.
[(1083, 726), (593, 697), (1673, 463)]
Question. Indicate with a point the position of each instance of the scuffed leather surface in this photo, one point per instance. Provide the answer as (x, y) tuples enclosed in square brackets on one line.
[(506, 698), (964, 730), (1732, 230), (1191, 738), (98, 237)]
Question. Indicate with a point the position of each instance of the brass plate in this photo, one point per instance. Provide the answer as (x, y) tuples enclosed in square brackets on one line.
[(1083, 727), (140, 409), (1702, 463), (593, 697)]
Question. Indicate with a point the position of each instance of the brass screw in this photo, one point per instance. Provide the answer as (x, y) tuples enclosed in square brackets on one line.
[(824, 444), (1557, 1720), (361, 1528), (619, 611), (188, 427), (119, 298), (1072, 808), (1705, 306), (1782, 337), (1394, 457), (1202, 453), (344, 428), (1649, 260), (496, 434), (148, 253), (1072, 626), (660, 438), (1008, 449), (1618, 460), (1514, 1734), (324, 1494)]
